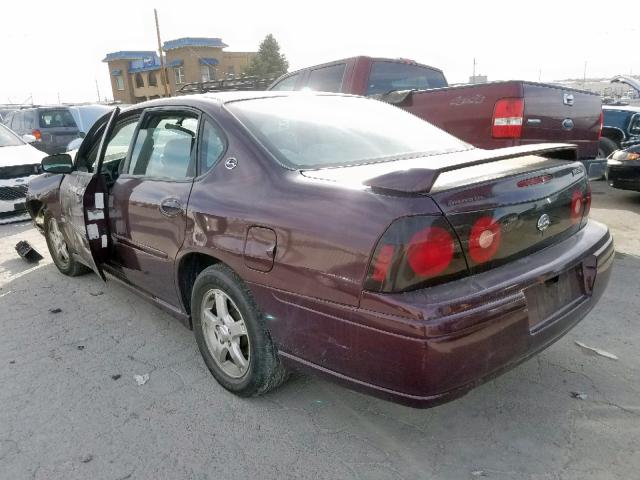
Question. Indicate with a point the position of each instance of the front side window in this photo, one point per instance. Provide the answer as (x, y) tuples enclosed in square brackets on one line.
[(119, 81), (316, 131), (327, 79), (634, 127), (286, 84), (117, 147), (164, 146), (56, 118), (179, 72), (388, 77)]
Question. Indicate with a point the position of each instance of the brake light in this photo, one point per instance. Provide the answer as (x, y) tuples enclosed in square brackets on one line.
[(36, 133), (577, 205), (601, 125), (430, 251), (414, 252), (508, 116), (484, 239)]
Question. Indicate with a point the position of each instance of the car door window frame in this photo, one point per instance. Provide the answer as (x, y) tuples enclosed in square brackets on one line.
[(97, 131), (171, 110)]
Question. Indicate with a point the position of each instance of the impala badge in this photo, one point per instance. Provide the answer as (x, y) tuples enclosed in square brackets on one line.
[(231, 163), (543, 222)]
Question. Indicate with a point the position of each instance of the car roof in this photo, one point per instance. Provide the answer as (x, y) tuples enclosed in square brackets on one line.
[(221, 98)]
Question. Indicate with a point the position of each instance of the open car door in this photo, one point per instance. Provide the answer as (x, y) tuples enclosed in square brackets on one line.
[(84, 201)]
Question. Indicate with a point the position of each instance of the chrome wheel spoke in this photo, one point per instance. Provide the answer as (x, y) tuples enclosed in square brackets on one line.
[(220, 353), (210, 320), (221, 305), (238, 357), (237, 329)]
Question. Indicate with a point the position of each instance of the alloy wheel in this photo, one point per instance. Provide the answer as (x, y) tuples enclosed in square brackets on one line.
[(59, 245), (225, 333)]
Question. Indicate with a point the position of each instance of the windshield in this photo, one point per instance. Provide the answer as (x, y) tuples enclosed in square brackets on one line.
[(56, 118), (316, 131), (8, 138), (387, 77)]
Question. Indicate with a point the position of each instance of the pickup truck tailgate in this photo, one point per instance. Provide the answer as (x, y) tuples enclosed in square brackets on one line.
[(556, 114)]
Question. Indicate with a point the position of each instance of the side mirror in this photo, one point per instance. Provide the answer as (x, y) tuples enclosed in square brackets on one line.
[(27, 137), (58, 163)]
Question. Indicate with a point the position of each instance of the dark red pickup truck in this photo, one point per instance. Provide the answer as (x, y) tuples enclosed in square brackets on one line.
[(490, 115)]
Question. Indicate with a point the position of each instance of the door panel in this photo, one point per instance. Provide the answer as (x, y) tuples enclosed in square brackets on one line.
[(83, 200), (148, 215)]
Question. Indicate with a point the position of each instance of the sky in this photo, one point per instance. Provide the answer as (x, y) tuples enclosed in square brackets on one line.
[(53, 49)]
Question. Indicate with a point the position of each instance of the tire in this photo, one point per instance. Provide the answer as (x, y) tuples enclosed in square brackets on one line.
[(606, 147), (57, 245), (231, 334)]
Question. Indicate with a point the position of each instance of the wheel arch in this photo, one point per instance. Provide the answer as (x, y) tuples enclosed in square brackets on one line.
[(189, 267), (614, 134)]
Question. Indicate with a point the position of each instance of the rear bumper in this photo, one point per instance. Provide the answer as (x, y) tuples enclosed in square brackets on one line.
[(448, 339), (624, 177)]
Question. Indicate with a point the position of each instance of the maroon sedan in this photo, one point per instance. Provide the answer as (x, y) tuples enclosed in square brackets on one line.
[(330, 232)]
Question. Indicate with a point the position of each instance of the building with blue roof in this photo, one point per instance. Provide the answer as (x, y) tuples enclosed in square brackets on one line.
[(136, 75)]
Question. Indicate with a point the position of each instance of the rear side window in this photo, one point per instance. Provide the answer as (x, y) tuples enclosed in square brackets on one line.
[(286, 84), (17, 123), (212, 146), (56, 118), (327, 79), (164, 146), (387, 77)]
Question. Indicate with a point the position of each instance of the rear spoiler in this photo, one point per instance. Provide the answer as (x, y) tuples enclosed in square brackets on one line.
[(421, 180)]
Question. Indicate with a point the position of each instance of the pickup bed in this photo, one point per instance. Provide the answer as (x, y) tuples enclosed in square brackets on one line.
[(489, 115)]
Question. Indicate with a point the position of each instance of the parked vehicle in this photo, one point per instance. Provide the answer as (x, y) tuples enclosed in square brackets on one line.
[(52, 127), (623, 169), (19, 163), (85, 116), (490, 115), (621, 128), (330, 232)]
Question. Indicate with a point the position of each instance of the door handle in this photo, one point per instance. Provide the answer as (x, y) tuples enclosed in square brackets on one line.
[(171, 207)]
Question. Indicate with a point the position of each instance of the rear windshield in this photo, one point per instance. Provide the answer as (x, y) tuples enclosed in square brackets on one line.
[(387, 77), (309, 131), (8, 138), (56, 118)]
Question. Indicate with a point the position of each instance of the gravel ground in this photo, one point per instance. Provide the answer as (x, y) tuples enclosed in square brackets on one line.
[(70, 407)]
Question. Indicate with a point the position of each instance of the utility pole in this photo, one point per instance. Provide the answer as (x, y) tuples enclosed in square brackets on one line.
[(474, 70), (164, 76), (98, 90), (584, 75)]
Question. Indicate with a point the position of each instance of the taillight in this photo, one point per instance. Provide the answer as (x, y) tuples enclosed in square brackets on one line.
[(430, 251), (36, 133), (587, 200), (601, 125), (508, 116), (484, 239), (415, 252), (577, 205)]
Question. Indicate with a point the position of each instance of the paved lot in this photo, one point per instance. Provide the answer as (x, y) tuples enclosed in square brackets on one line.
[(65, 413)]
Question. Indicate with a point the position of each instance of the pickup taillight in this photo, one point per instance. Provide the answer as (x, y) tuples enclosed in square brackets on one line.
[(508, 117)]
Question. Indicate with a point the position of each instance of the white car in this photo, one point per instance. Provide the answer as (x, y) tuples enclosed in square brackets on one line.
[(19, 162)]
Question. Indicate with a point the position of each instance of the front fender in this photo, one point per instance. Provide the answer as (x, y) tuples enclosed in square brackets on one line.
[(43, 193)]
